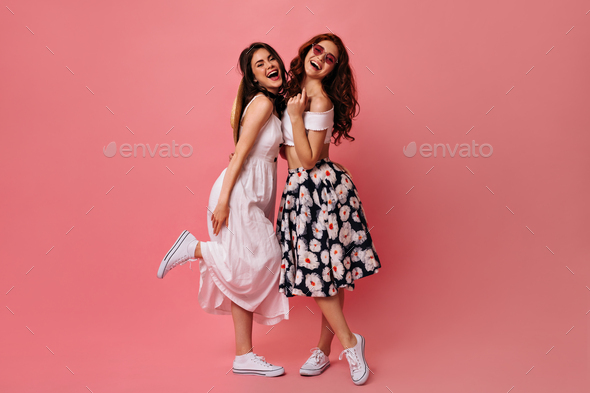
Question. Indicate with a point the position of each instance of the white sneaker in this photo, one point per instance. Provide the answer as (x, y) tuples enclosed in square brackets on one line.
[(177, 255), (359, 370), (316, 364), (252, 364)]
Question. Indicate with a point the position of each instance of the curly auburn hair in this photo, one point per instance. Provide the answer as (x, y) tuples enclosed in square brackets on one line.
[(339, 85), (252, 88)]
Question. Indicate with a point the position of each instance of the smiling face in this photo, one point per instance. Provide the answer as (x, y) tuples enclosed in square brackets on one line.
[(317, 66), (266, 70)]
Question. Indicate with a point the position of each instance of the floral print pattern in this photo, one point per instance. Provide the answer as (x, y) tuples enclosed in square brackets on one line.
[(323, 233)]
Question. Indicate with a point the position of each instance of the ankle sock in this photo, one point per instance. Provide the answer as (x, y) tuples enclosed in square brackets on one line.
[(192, 246), (244, 357)]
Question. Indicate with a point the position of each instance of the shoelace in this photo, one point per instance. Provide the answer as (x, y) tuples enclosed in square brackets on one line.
[(353, 360), (316, 355), (181, 261), (261, 360)]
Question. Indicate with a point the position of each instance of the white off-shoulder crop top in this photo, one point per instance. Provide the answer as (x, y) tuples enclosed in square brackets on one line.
[(313, 121)]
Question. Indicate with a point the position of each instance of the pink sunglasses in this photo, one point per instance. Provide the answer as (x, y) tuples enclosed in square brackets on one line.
[(318, 50)]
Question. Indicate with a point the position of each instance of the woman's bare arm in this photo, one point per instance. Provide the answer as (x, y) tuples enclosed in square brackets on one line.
[(307, 146), (256, 116)]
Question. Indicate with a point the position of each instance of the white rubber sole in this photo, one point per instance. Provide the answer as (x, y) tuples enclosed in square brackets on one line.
[(170, 252), (261, 373), (312, 373)]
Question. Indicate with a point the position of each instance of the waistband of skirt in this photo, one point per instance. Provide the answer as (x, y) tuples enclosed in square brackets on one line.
[(317, 165)]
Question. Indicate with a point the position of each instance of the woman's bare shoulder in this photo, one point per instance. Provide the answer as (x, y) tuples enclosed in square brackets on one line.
[(261, 107), (320, 104)]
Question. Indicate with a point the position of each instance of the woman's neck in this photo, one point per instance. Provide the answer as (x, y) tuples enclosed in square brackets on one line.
[(270, 96), (313, 87)]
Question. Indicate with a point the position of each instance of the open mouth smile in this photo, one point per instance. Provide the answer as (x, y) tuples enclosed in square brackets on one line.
[(273, 75), (315, 65)]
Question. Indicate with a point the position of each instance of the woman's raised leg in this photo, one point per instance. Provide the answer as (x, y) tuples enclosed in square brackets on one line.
[(198, 251)]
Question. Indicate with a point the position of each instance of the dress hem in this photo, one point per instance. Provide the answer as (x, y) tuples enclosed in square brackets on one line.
[(258, 318)]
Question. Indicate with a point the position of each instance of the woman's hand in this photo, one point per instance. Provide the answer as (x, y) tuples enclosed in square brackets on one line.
[(343, 168), (220, 215), (230, 156), (297, 104)]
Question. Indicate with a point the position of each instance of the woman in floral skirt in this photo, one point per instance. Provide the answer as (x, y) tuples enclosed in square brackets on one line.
[(321, 224)]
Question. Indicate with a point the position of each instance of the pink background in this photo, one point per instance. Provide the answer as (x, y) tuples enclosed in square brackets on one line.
[(468, 300)]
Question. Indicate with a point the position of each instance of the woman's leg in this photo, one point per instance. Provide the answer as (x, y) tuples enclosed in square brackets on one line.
[(246, 361), (243, 329), (326, 330), (198, 251), (332, 310)]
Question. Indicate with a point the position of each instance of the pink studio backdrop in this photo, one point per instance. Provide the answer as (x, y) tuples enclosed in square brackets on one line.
[(485, 279)]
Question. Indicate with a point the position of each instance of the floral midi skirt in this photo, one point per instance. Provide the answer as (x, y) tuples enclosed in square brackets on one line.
[(323, 233)]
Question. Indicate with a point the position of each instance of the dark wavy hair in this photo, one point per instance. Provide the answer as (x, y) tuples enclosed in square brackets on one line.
[(339, 85), (252, 88)]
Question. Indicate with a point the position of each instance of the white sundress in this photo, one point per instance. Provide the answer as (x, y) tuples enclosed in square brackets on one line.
[(242, 264)]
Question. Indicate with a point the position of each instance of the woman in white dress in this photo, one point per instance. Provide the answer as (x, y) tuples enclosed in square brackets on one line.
[(240, 265)]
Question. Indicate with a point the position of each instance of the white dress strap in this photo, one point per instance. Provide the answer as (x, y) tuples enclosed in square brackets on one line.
[(243, 113), (246, 108)]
